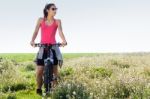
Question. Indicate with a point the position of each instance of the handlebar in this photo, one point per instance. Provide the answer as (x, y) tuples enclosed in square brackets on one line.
[(47, 45)]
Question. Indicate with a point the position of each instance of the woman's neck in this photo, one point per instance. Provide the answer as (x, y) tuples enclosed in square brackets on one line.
[(49, 18)]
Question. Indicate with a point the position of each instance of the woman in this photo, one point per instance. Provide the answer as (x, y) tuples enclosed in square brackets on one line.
[(49, 26)]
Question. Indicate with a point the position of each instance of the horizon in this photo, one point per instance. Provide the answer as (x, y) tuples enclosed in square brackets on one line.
[(85, 53)]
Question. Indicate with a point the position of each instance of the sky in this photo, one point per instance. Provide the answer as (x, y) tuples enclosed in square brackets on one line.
[(89, 26)]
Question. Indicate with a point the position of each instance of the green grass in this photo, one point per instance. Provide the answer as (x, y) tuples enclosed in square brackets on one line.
[(18, 57), (24, 94), (22, 57), (27, 95)]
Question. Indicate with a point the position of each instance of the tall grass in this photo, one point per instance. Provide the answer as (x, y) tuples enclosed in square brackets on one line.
[(97, 76)]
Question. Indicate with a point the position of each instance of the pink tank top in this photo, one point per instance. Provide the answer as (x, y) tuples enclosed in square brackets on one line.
[(48, 32)]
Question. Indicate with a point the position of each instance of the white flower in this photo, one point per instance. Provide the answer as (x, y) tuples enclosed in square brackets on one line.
[(91, 94), (74, 93), (97, 82), (69, 86)]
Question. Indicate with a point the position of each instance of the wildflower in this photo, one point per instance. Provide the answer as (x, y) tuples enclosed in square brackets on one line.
[(74, 93), (97, 82), (69, 86), (91, 94)]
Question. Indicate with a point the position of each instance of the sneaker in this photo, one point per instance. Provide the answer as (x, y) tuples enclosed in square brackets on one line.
[(39, 91)]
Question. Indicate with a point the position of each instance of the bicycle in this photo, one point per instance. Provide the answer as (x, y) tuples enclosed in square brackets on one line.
[(48, 66)]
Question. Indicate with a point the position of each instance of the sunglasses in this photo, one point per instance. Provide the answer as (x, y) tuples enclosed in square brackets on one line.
[(54, 9)]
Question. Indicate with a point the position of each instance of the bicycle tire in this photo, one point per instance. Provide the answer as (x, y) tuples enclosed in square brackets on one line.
[(48, 76)]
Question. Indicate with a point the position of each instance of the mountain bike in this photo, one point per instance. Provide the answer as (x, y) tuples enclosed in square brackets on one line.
[(49, 77)]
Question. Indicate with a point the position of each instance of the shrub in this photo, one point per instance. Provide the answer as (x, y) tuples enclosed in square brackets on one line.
[(11, 96), (66, 71), (10, 77), (120, 64), (29, 67), (70, 90), (14, 87), (147, 71), (100, 72)]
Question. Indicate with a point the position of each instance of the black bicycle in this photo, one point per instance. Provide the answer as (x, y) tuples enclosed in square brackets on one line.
[(48, 66)]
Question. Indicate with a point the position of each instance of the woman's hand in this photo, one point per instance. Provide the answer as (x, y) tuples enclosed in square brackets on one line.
[(32, 43), (64, 43)]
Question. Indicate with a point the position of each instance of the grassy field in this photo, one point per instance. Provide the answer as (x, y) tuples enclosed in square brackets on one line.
[(83, 76)]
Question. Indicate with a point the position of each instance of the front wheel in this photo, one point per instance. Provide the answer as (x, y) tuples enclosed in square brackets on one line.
[(48, 76)]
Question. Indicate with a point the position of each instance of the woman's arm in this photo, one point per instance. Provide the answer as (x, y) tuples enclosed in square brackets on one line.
[(36, 31), (61, 34)]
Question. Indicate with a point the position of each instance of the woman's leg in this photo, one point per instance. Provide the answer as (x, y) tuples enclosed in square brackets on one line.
[(55, 71), (39, 75)]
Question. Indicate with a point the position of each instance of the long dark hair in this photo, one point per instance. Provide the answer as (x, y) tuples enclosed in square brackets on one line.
[(47, 6)]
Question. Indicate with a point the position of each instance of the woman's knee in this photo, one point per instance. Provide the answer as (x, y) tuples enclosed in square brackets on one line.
[(39, 70)]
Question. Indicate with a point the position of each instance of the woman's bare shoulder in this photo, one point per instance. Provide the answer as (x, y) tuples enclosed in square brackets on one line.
[(40, 19), (58, 21)]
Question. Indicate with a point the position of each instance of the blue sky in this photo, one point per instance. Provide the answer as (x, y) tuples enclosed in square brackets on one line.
[(89, 25)]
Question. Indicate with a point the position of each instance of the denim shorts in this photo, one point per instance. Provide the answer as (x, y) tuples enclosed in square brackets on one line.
[(44, 56)]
